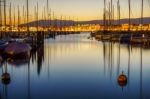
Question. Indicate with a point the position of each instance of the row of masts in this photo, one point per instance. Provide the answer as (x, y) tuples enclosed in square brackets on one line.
[(109, 14), (47, 16)]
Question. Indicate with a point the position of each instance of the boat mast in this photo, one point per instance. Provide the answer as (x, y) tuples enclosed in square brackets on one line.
[(113, 15), (118, 10), (53, 21), (0, 13), (5, 16), (61, 21), (129, 1), (69, 23), (10, 20), (47, 8), (111, 22), (142, 15), (23, 15), (28, 17), (119, 13), (50, 19), (18, 19), (14, 17), (65, 23), (37, 16), (44, 23), (56, 24), (45, 17), (48, 15), (104, 21), (0, 19), (109, 15)]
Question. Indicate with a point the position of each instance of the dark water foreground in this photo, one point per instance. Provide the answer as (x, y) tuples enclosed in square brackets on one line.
[(74, 67)]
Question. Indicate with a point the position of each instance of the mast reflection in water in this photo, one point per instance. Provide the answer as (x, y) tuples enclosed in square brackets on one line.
[(74, 67)]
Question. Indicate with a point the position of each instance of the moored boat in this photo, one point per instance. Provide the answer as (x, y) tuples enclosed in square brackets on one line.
[(3, 44), (17, 50)]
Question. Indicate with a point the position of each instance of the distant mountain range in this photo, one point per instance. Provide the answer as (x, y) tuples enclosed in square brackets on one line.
[(136, 21), (45, 23), (51, 22)]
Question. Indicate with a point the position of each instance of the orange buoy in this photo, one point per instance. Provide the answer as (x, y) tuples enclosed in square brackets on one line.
[(122, 80)]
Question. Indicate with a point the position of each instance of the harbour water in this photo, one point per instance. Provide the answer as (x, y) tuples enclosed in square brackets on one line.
[(75, 67)]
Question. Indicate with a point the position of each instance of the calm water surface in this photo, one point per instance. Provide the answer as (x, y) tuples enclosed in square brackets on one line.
[(74, 67)]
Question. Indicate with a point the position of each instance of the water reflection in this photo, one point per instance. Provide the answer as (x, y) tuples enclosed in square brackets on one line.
[(6, 78), (18, 62), (75, 67), (40, 58)]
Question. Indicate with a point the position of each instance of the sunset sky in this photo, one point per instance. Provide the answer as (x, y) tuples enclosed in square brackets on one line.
[(81, 9)]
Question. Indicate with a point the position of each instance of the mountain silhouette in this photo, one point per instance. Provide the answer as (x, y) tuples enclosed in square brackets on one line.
[(60, 23)]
